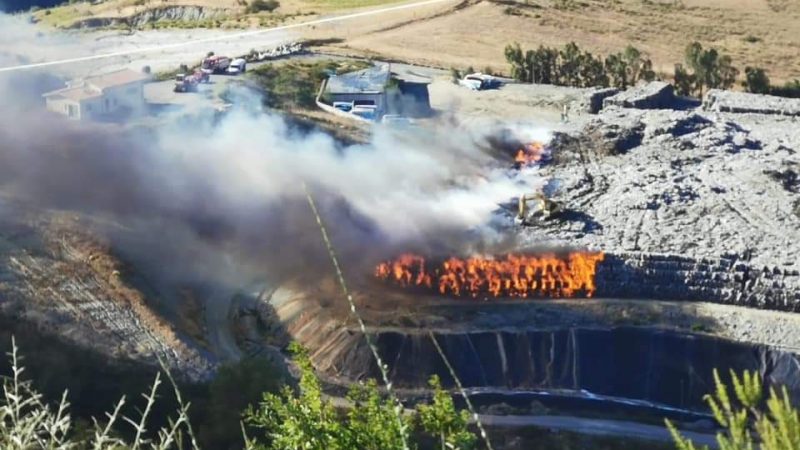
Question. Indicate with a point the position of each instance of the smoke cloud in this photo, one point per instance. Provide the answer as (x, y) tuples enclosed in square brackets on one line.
[(225, 200)]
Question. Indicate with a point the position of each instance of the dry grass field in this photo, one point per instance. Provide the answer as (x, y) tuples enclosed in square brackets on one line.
[(764, 33), (461, 33)]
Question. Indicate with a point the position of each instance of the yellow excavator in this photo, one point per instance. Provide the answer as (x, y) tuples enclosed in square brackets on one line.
[(536, 207)]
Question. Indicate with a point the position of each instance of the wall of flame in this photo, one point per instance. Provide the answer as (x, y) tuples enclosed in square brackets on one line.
[(516, 276)]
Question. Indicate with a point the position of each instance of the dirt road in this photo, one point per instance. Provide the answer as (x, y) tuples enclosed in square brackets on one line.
[(619, 428)]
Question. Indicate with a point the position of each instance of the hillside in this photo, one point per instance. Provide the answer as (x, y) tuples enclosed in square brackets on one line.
[(188, 13), (762, 33)]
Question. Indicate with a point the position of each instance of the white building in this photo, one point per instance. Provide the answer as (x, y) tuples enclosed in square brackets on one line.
[(108, 96)]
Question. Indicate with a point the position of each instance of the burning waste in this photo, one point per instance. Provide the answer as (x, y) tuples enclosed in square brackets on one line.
[(521, 276), (530, 154)]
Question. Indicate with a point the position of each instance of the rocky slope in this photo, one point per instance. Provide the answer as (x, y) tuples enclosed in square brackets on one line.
[(664, 187), (57, 277)]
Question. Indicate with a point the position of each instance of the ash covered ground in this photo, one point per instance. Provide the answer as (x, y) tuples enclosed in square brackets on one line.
[(693, 183)]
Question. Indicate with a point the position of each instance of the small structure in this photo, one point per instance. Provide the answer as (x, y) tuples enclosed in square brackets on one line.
[(652, 95), (376, 91), (107, 96)]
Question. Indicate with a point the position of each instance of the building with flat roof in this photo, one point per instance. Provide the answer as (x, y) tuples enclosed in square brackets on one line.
[(101, 97), (373, 92)]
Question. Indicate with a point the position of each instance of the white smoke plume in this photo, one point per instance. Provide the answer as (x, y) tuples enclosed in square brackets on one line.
[(230, 193)]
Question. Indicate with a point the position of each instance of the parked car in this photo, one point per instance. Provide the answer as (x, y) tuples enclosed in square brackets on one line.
[(365, 112), (237, 66), (343, 106), (479, 81)]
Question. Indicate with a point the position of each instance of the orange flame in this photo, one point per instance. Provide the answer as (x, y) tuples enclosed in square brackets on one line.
[(530, 153), (522, 276)]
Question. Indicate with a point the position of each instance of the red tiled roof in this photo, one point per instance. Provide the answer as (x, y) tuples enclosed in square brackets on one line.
[(76, 93), (118, 78)]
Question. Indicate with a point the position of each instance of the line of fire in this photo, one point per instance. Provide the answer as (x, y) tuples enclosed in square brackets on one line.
[(509, 276)]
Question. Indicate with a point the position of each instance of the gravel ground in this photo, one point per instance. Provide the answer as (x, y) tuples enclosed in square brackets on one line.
[(689, 183)]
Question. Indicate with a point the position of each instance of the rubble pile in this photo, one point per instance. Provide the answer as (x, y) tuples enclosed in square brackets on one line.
[(742, 102), (592, 101), (717, 193), (655, 95), (723, 280)]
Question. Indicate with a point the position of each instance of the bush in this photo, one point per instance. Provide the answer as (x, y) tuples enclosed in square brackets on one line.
[(683, 81), (306, 419), (296, 84), (756, 80), (28, 422), (257, 6), (790, 89), (776, 428)]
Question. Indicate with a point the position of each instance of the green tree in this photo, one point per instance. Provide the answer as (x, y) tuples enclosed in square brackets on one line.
[(777, 427), (646, 71), (710, 69), (592, 71), (516, 59), (443, 421), (696, 60), (617, 70), (372, 420), (683, 81), (755, 80), (633, 63), (304, 420), (727, 73), (569, 69), (548, 65), (530, 64)]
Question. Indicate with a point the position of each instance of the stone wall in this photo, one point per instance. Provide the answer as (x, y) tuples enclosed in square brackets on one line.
[(743, 102), (730, 280), (592, 101), (653, 95)]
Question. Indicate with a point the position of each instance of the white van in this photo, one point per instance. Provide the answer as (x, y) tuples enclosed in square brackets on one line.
[(237, 66)]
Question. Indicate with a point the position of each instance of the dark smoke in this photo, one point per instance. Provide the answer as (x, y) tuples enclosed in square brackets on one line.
[(226, 201)]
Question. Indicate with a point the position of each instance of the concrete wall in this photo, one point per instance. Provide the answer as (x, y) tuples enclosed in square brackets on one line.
[(62, 106), (126, 96), (116, 100)]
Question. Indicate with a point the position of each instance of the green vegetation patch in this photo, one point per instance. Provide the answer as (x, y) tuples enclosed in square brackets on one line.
[(295, 84), (60, 16)]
